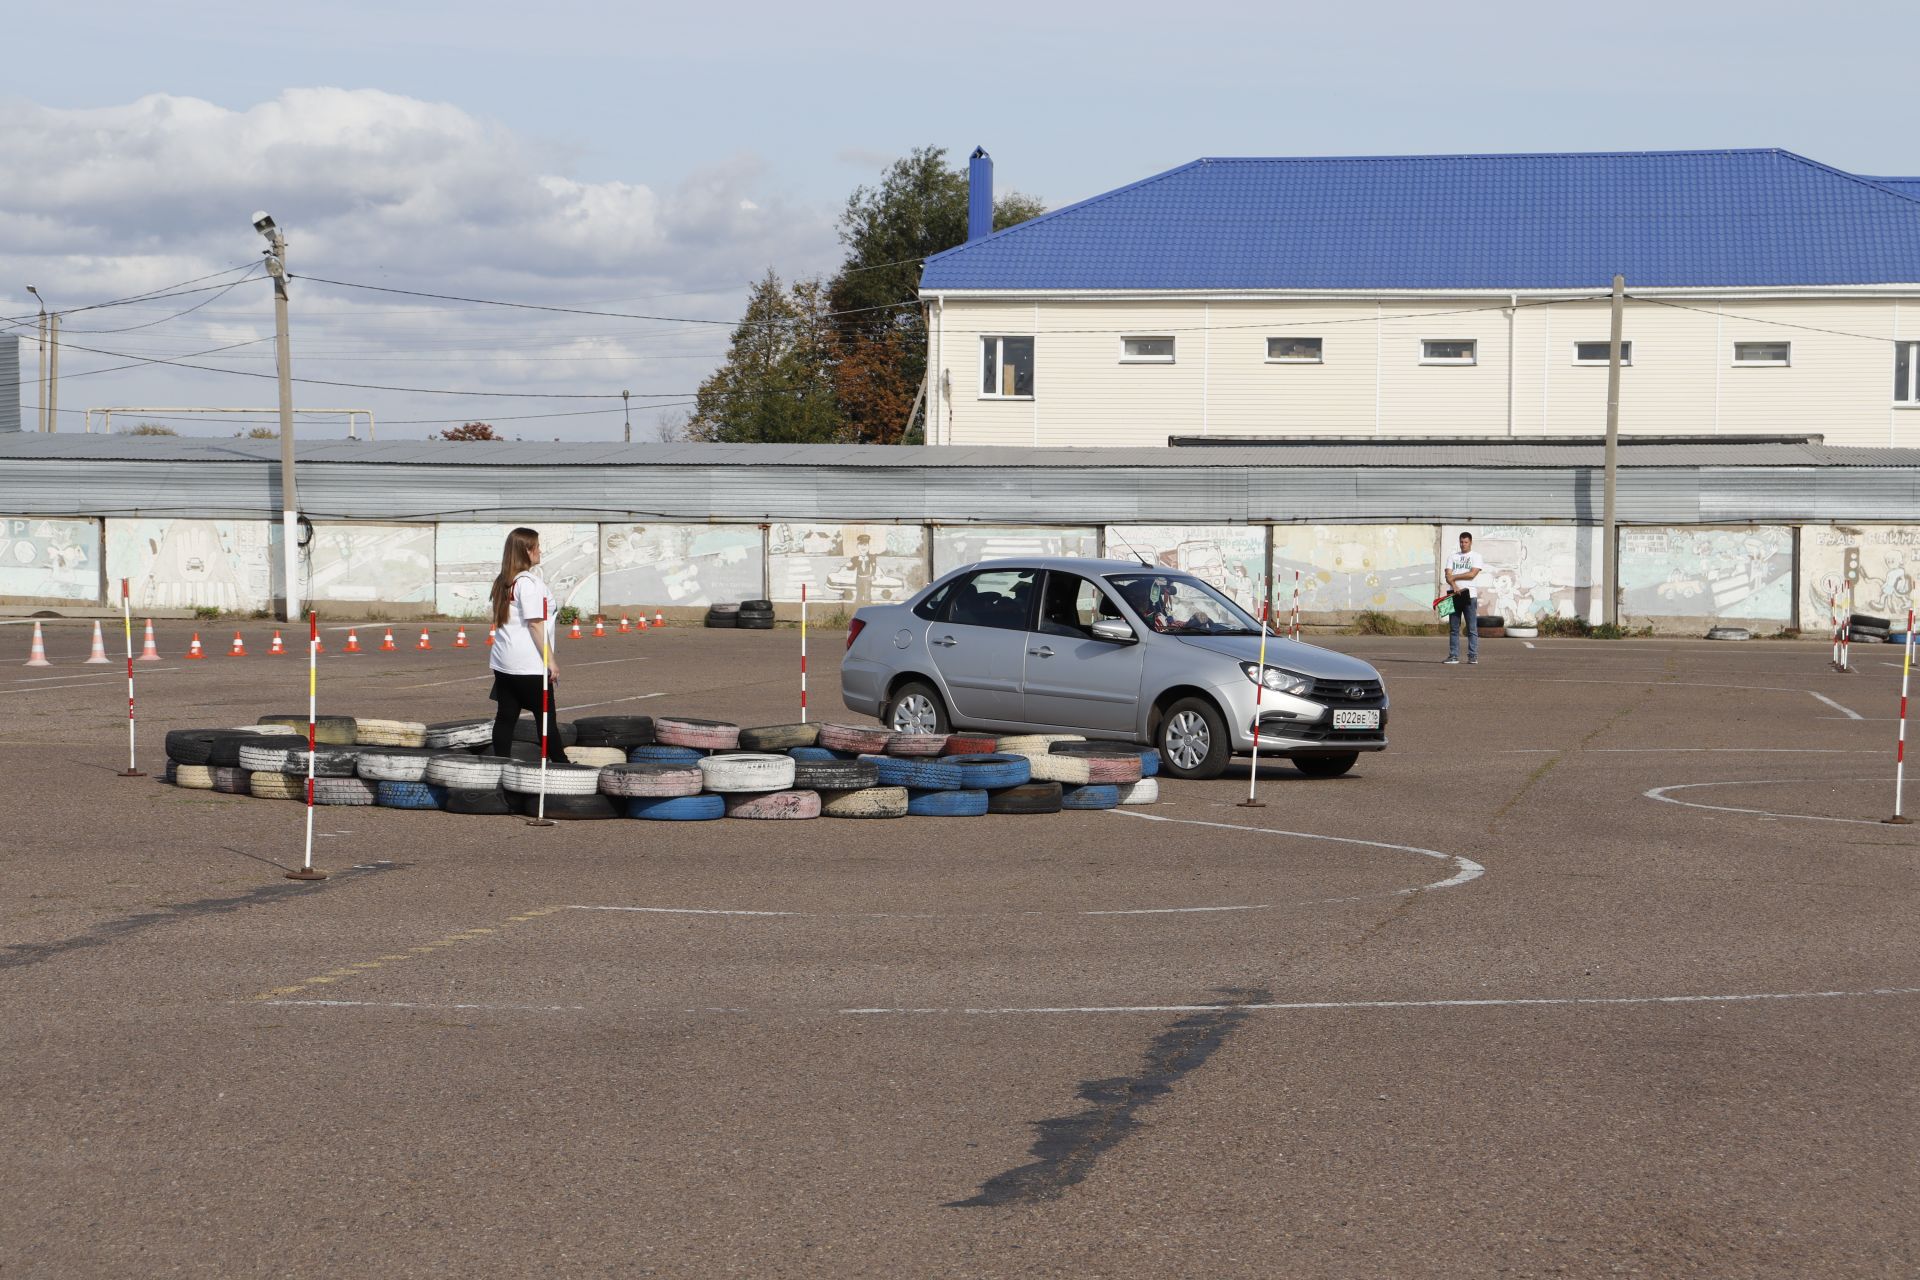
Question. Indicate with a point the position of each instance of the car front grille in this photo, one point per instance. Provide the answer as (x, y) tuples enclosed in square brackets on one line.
[(1349, 693)]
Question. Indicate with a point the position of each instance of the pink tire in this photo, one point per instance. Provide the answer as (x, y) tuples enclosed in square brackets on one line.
[(865, 739), (775, 805), (1117, 770), (916, 744), (706, 735)]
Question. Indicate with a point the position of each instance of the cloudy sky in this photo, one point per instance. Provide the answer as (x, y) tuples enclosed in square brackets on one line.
[(650, 160)]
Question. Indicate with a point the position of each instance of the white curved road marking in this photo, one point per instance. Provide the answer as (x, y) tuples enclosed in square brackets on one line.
[(1660, 794)]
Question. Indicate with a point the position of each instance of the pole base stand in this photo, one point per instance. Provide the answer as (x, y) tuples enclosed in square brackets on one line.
[(1251, 804), (1897, 821), (306, 873), (132, 773), (541, 822)]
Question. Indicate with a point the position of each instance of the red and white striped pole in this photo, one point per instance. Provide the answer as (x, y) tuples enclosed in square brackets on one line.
[(540, 818), (126, 612), (1846, 633), (306, 871), (1833, 632), (803, 653), (1900, 750), (1259, 687), (1293, 626)]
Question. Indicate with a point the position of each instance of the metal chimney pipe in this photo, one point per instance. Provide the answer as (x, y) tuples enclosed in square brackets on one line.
[(979, 195)]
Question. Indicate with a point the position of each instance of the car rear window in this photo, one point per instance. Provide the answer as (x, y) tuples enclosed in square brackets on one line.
[(935, 601)]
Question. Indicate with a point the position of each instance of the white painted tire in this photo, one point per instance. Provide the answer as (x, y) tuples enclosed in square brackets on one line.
[(561, 779), (460, 733), (776, 805), (1069, 771), (389, 733), (598, 757), (1522, 633), (916, 744), (344, 791), (864, 739), (651, 779), (377, 766), (277, 786), (1145, 791), (194, 777), (704, 735), (466, 773), (747, 772), (870, 802), (1021, 744)]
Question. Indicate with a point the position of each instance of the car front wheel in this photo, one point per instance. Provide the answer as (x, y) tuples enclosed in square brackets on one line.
[(1192, 739), (915, 708)]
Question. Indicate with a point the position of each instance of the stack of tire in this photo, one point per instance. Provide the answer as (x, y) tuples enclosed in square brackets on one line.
[(1492, 626), (1865, 628), (748, 615)]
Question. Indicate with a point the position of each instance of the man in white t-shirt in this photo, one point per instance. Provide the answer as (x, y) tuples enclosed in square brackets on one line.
[(1463, 580)]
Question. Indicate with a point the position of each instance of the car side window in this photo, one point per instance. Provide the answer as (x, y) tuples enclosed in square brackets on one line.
[(993, 598), (935, 601), (1072, 605)]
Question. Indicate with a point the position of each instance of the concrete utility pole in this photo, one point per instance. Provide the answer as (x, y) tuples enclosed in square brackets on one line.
[(1610, 553), (289, 495), (53, 371), (626, 412), (40, 378)]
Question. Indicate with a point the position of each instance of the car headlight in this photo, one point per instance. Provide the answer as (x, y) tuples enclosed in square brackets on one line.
[(1279, 679)]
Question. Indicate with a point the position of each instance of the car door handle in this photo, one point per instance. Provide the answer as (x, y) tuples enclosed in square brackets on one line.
[(946, 642), (1044, 651)]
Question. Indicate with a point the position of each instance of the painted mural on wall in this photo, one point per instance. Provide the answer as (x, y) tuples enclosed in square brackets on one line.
[(1535, 570), (468, 560), (679, 564), (855, 563), (955, 545), (194, 564), (50, 559), (1349, 568), (371, 564), (1231, 557), (1889, 582), (1686, 572)]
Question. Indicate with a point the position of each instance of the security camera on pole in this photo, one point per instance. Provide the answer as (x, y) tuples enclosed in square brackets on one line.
[(276, 255)]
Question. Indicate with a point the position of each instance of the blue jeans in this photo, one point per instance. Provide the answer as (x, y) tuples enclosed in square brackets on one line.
[(1466, 610)]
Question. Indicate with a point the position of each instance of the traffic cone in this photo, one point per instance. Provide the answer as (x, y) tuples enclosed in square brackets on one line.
[(626, 624), (99, 647), (387, 645), (425, 643), (659, 619), (353, 641), (575, 633), (599, 626), (490, 632), (37, 656), (278, 645), (643, 623), (193, 650), (460, 638), (319, 645), (149, 652), (239, 649)]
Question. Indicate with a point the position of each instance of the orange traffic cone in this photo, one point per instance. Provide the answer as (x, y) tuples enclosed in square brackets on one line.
[(319, 645), (490, 632), (599, 626), (643, 623), (193, 650), (424, 642), (460, 638), (149, 652), (387, 645), (99, 647), (626, 624), (278, 645), (239, 649), (37, 656), (353, 641), (659, 619), (575, 633)]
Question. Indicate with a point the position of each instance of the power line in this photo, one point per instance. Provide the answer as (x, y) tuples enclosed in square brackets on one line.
[(224, 291), (151, 295), (1783, 324)]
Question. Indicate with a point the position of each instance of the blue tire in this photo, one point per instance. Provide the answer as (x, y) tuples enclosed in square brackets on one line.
[(916, 774), (667, 755), (1150, 763), (409, 795), (1100, 795), (821, 753), (946, 804), (991, 771), (701, 808)]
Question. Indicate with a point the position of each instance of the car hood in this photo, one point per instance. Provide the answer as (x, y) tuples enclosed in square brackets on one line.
[(1308, 660)]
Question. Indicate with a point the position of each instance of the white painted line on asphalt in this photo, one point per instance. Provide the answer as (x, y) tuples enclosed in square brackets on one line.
[(638, 697), (407, 1004), (607, 662), (1659, 793), (1467, 868), (437, 683), (1527, 643), (79, 675), (689, 911), (1623, 751), (1851, 714), (1510, 1002)]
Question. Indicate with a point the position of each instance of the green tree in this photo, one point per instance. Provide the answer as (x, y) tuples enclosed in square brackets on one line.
[(150, 429), (469, 431), (918, 209), (777, 382)]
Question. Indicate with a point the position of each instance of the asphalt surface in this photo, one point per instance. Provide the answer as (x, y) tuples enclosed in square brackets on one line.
[(1660, 1035)]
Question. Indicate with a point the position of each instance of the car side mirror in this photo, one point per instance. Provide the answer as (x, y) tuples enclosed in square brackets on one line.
[(1112, 629)]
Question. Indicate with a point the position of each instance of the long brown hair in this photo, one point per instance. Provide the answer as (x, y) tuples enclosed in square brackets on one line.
[(515, 560)]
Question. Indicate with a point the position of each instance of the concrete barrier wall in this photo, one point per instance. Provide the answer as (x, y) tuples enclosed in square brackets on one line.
[(1534, 571), (1889, 559), (1705, 576), (1231, 557), (1345, 569), (850, 564), (955, 545), (680, 565), (50, 561), (182, 564), (372, 568)]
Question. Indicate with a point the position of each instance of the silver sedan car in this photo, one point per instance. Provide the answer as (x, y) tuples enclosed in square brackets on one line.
[(1110, 649)]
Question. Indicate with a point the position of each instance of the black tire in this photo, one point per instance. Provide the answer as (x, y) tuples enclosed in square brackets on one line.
[(756, 606), (527, 729), (1192, 740), (488, 802), (196, 746), (1491, 620), (1331, 766), (613, 731), (921, 706), (754, 622), (835, 775), (1030, 797), (727, 621), (594, 808), (1867, 622)]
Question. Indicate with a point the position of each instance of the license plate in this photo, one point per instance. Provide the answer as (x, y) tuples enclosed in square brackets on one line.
[(1356, 719)]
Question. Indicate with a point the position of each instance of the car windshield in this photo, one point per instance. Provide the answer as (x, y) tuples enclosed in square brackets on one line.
[(1175, 604)]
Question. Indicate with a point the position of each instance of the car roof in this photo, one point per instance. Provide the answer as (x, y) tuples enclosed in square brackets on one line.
[(1069, 564)]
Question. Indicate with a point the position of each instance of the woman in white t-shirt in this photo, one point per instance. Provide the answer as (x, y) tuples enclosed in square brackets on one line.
[(520, 603)]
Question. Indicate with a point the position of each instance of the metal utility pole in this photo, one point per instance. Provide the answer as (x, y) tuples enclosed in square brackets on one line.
[(627, 413), (1610, 553), (40, 381), (289, 495)]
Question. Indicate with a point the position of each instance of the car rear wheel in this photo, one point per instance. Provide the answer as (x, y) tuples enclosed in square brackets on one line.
[(1326, 766), (1193, 740), (916, 708)]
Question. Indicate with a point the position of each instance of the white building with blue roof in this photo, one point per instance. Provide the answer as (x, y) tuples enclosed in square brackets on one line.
[(1406, 296)]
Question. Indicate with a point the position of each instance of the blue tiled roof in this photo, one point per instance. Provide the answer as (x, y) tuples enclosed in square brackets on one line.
[(1673, 218), (1905, 186)]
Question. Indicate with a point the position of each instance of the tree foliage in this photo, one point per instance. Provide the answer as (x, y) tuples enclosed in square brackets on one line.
[(151, 429), (470, 431), (776, 384)]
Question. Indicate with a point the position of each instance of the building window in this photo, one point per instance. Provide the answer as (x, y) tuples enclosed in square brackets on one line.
[(1906, 373), (1763, 353), (1598, 353), (1294, 350), (1447, 351), (1146, 351), (1006, 368)]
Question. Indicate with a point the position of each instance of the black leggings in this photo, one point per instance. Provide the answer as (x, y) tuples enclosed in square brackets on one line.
[(522, 693)]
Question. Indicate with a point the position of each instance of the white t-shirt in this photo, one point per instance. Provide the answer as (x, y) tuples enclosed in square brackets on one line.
[(1458, 563), (514, 649)]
